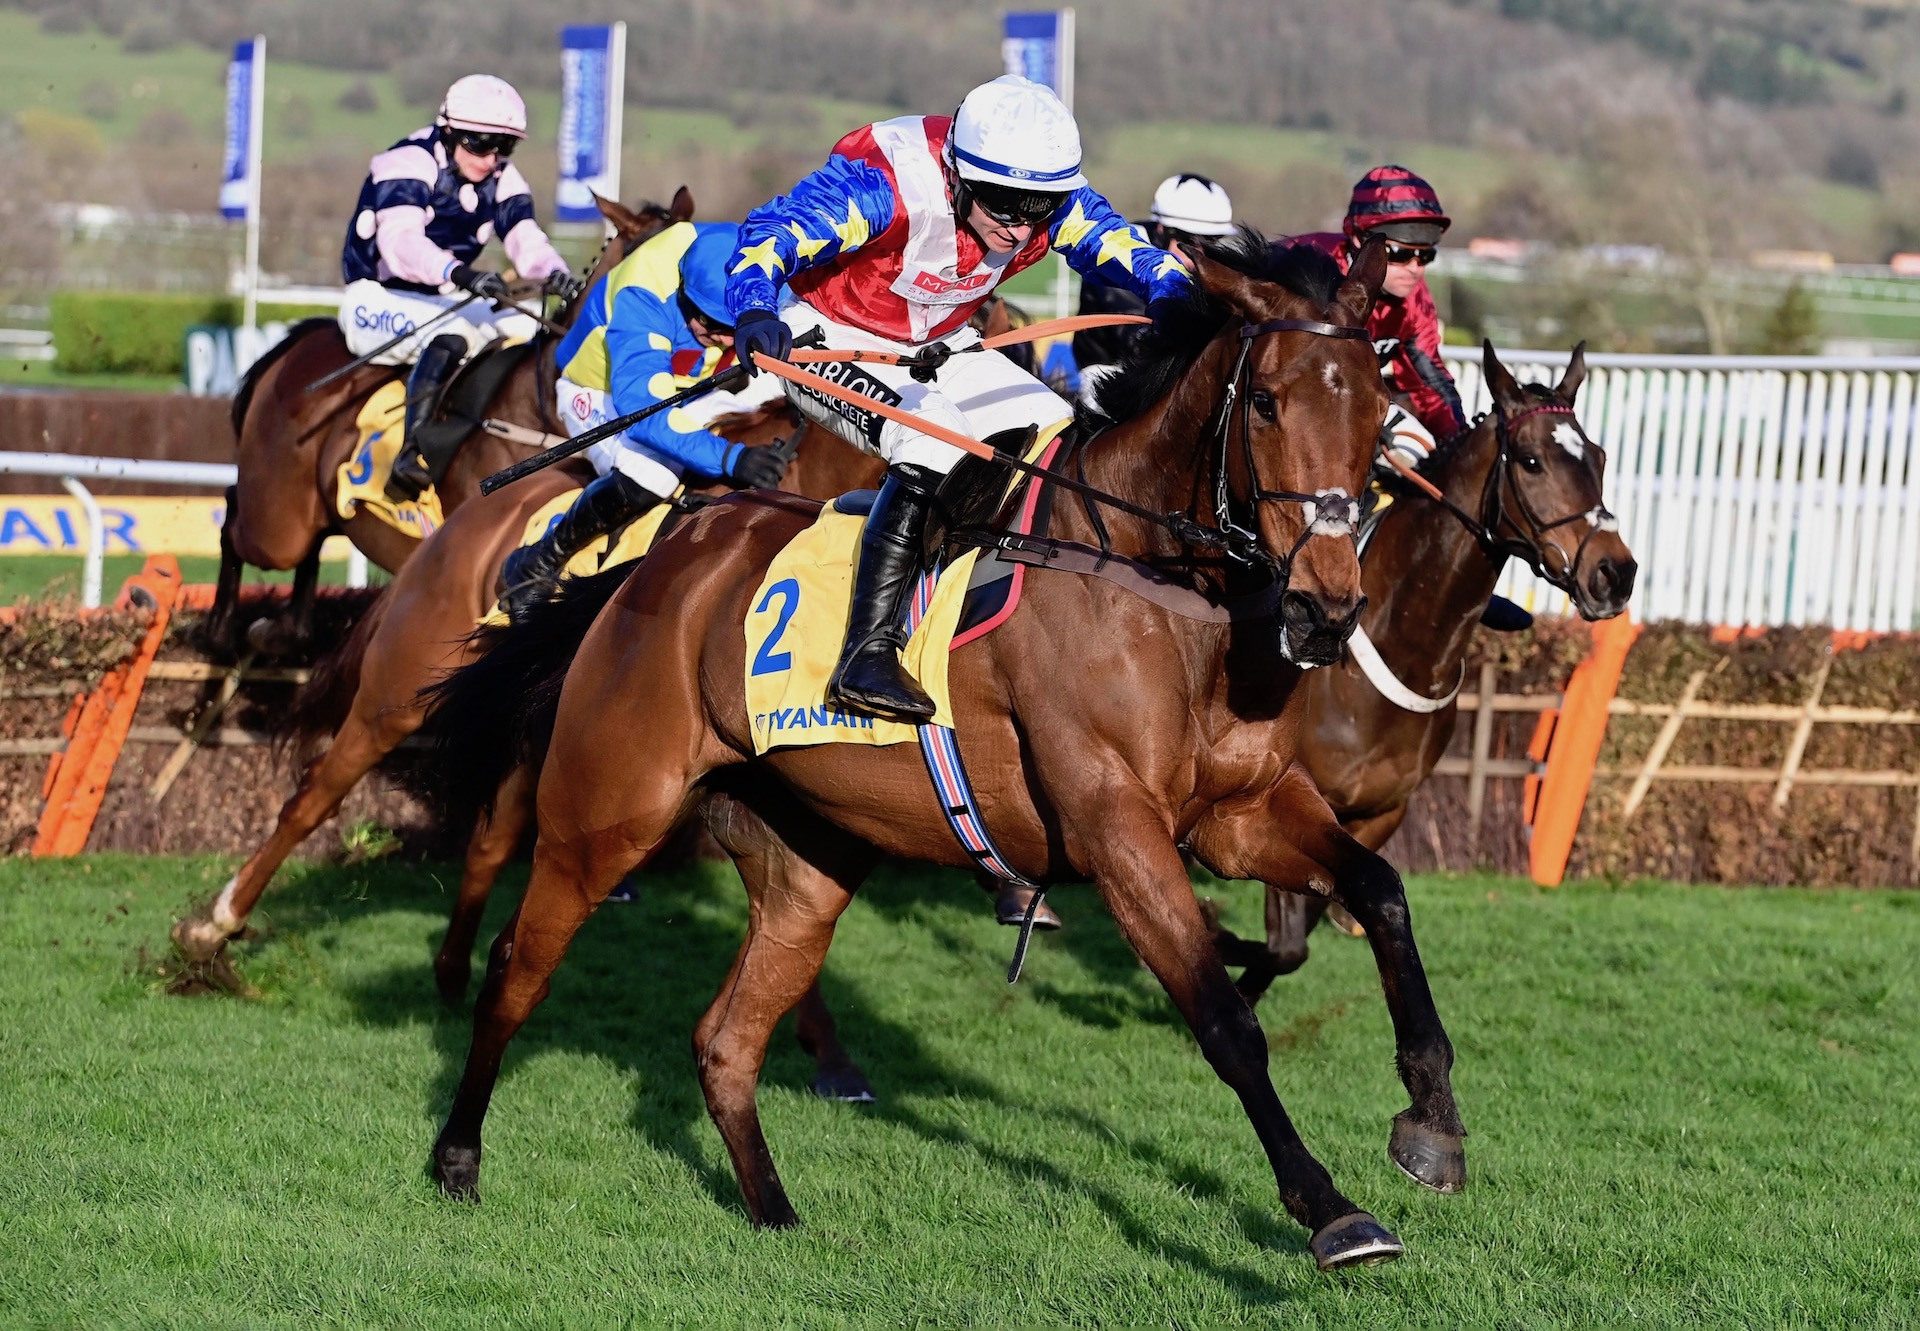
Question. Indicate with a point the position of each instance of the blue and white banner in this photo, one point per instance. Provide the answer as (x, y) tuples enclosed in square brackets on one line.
[(1040, 47), (592, 82), (245, 83)]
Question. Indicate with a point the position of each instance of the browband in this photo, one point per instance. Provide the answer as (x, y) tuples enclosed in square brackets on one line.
[(1313, 326)]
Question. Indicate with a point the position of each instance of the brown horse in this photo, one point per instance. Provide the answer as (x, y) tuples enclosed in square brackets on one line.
[(366, 695), (291, 443), (1088, 763), (1526, 482)]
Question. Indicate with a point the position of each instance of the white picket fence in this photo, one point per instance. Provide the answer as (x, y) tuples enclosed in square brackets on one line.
[(1753, 490)]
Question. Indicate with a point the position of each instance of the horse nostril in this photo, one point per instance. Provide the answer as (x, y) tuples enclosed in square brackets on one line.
[(1300, 612)]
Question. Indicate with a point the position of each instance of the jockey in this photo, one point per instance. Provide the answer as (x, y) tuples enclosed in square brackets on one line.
[(656, 324), (1393, 203), (891, 246), (1187, 208), (428, 207)]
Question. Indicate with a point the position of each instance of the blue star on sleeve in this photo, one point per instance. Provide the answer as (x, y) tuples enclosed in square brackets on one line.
[(828, 215)]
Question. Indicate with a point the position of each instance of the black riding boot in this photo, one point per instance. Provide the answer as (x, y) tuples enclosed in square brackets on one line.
[(426, 384), (604, 507), (869, 678)]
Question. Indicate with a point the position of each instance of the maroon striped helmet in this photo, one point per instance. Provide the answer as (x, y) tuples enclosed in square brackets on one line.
[(1393, 202)]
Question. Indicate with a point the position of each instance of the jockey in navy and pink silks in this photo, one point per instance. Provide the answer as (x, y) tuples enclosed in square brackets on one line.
[(427, 208), (893, 244), (1394, 203)]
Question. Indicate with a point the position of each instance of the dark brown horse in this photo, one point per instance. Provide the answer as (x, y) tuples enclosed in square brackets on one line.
[(1103, 731), (366, 696), (1526, 481), (291, 443)]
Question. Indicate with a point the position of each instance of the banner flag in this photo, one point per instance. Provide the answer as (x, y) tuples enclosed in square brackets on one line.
[(592, 82)]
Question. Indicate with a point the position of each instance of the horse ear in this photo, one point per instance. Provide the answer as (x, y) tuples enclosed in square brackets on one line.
[(1228, 285), (1576, 373), (1500, 383), (622, 220), (1364, 276), (681, 209)]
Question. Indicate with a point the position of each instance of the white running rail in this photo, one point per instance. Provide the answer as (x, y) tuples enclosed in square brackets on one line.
[(1753, 490)]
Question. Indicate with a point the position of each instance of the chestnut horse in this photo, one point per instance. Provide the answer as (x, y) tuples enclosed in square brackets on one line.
[(1184, 731), (1525, 482), (291, 443), (366, 695)]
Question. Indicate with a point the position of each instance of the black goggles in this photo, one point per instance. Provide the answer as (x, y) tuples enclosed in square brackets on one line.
[(1420, 254), (480, 145), (1011, 207)]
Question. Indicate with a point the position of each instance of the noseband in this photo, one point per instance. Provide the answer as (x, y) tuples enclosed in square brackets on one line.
[(1328, 512)]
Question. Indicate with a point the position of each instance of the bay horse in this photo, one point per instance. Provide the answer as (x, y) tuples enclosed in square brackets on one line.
[(291, 442), (1526, 482), (1104, 731), (366, 696)]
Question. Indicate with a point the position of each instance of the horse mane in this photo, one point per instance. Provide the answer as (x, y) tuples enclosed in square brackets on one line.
[(1435, 464), (1161, 354), (243, 394)]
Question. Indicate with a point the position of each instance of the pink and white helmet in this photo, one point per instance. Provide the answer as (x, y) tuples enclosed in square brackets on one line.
[(485, 104)]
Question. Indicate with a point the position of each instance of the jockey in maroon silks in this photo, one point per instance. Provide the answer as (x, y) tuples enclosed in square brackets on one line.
[(1397, 205)]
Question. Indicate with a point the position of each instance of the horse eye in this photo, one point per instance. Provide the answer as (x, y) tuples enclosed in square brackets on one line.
[(1262, 402), (1531, 462)]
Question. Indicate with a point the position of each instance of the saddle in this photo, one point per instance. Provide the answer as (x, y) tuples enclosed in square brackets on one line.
[(465, 403)]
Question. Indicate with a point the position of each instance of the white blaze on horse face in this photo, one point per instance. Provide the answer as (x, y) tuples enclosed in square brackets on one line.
[(1568, 437)]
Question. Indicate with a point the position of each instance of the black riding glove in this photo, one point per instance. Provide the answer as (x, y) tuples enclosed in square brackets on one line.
[(758, 468), (486, 285), (564, 284), (761, 331)]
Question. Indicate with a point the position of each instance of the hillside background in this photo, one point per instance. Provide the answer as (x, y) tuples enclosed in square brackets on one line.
[(1707, 127)]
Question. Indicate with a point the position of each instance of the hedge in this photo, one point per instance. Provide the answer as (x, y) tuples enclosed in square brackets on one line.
[(142, 332)]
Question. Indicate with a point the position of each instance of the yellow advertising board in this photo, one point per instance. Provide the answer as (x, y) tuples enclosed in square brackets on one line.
[(57, 525)]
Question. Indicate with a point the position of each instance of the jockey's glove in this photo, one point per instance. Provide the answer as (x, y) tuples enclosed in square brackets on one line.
[(758, 468), (486, 285), (1163, 312), (1404, 437), (564, 284), (760, 332)]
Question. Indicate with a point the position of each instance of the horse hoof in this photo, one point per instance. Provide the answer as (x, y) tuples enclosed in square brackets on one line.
[(457, 1170), (198, 940), (274, 637), (1338, 917), (1354, 1240), (846, 1085), (1430, 1158)]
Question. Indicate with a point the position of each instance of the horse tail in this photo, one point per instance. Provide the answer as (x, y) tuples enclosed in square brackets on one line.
[(496, 713), (320, 707)]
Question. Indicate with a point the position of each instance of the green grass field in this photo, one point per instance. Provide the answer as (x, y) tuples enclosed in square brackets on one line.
[(57, 576), (1688, 1106)]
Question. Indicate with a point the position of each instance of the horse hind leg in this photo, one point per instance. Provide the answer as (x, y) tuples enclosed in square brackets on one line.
[(220, 632), (796, 903), (750, 839), (493, 841), (292, 631)]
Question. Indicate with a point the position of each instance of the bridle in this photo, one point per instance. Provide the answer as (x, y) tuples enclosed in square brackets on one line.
[(1536, 534), (1329, 512)]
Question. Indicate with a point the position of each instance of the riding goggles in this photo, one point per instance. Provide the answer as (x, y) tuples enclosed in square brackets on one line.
[(1421, 254), (1014, 207), (480, 145)]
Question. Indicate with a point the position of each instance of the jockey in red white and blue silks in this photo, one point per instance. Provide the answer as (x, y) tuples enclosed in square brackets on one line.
[(428, 206), (893, 244), (1399, 206)]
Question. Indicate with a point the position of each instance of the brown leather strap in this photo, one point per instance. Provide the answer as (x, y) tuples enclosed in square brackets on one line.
[(1137, 578)]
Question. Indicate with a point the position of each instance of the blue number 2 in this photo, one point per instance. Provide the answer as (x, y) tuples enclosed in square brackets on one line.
[(767, 661)]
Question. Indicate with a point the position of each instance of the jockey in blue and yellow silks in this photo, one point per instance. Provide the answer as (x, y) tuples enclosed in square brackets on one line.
[(655, 325), (893, 244)]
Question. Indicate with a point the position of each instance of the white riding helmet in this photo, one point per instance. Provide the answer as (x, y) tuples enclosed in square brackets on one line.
[(1015, 132), (485, 104), (1193, 204)]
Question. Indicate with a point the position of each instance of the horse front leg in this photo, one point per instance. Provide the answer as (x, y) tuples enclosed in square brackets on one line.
[(1141, 876), (1289, 837)]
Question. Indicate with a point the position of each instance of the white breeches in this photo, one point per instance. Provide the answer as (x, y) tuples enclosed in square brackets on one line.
[(371, 314)]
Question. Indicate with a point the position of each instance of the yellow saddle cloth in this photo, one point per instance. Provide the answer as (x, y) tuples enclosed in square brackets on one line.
[(361, 482), (795, 624), (630, 542)]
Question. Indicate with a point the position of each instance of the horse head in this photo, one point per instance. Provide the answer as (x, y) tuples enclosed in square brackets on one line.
[(631, 228), (1541, 490), (1301, 409)]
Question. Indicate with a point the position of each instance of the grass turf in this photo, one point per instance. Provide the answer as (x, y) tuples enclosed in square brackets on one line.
[(1687, 1105)]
